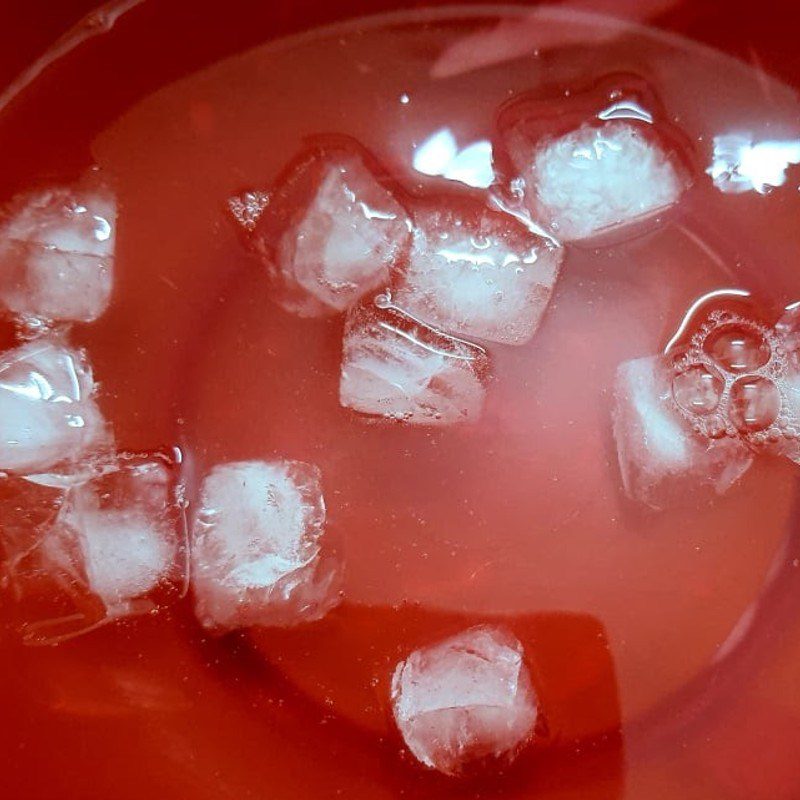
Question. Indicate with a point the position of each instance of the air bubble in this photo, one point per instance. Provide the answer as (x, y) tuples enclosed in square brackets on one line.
[(755, 403), (698, 390), (737, 348)]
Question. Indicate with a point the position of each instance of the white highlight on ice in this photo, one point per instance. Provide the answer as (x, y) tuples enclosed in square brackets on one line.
[(439, 155), (740, 164)]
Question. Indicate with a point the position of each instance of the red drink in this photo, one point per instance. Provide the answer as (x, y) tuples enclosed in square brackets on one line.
[(641, 627)]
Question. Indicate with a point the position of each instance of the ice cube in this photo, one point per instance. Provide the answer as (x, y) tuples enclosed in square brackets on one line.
[(329, 232), (465, 700), (476, 272), (48, 413), (596, 178), (57, 254), (121, 534), (84, 548), (257, 555), (662, 459), (396, 367)]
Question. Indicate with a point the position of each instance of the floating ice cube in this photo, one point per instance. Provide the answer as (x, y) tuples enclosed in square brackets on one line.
[(467, 699), (661, 458), (57, 254), (47, 410), (596, 178), (121, 535), (110, 542), (328, 233), (394, 366), (476, 272), (257, 555)]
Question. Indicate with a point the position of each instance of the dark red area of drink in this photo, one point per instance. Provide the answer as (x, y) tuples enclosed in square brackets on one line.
[(194, 351)]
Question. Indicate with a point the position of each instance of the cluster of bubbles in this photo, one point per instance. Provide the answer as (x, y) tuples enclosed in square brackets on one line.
[(731, 381)]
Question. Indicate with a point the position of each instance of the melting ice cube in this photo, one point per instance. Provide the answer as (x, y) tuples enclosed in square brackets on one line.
[(596, 177), (394, 366), (257, 555), (464, 700), (57, 254), (121, 532), (83, 548), (339, 245), (47, 410), (661, 458), (476, 272)]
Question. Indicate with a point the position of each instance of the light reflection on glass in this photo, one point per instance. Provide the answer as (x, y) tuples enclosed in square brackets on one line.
[(439, 155), (741, 165), (626, 109)]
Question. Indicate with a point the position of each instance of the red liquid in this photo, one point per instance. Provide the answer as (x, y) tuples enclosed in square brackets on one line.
[(644, 630)]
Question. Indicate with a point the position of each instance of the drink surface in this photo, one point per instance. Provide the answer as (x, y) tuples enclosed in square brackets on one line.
[(648, 622)]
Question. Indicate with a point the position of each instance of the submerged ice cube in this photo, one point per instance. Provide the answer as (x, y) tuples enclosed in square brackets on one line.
[(476, 272), (735, 376), (465, 700), (104, 543), (123, 532), (596, 178), (328, 232), (257, 555), (57, 254), (48, 413), (396, 367), (662, 459)]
